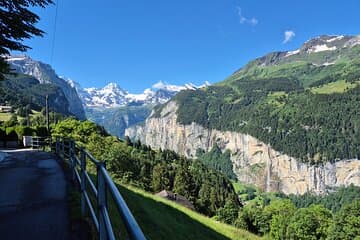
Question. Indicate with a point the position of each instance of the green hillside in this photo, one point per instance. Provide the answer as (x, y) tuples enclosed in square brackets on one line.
[(163, 219), (305, 104), (20, 91)]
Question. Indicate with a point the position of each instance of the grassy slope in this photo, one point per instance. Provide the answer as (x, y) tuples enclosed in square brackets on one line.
[(5, 116), (163, 219), (333, 87)]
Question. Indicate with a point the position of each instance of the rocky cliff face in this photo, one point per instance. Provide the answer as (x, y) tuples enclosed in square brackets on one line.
[(253, 161)]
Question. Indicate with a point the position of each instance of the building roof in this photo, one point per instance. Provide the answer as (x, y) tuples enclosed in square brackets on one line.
[(175, 198)]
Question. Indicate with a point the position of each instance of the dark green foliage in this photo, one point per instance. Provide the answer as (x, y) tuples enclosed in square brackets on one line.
[(250, 193), (346, 225), (17, 24), (212, 188), (217, 160), (309, 223), (12, 122), (2, 134), (250, 218), (229, 213), (151, 170), (41, 131), (160, 177), (183, 182), (313, 127), (24, 131), (16, 133), (24, 92), (11, 134), (79, 131), (332, 201)]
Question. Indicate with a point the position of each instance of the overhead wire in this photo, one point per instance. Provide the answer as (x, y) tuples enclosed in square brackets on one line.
[(54, 32)]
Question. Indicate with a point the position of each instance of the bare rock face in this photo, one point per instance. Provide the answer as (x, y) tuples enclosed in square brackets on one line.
[(253, 161)]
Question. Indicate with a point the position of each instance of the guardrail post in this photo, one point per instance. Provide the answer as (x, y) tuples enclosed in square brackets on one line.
[(71, 151), (57, 146), (101, 201), (83, 181), (63, 149)]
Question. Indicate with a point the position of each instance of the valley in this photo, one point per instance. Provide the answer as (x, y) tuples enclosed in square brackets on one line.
[(280, 134)]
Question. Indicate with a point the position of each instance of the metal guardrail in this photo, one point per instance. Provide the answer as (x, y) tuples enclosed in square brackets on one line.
[(78, 157), (39, 142)]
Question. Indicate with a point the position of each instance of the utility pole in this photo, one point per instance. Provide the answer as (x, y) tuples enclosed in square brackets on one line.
[(47, 114), (27, 116)]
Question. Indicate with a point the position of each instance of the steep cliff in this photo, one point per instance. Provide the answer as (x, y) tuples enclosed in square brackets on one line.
[(253, 161)]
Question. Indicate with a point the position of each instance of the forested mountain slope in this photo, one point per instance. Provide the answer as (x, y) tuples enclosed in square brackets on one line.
[(287, 118), (304, 103), (23, 91)]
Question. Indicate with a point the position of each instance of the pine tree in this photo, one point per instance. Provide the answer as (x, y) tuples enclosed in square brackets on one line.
[(184, 183)]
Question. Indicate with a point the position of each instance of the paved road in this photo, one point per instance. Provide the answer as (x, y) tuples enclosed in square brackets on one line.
[(33, 202)]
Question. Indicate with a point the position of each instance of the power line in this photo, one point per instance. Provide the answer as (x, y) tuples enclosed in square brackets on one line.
[(54, 32)]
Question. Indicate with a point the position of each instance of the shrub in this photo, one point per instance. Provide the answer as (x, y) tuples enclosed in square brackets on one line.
[(11, 134), (41, 131), (2, 134), (23, 131)]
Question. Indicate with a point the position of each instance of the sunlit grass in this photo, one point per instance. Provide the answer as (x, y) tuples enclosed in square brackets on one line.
[(5, 116), (163, 219), (334, 87)]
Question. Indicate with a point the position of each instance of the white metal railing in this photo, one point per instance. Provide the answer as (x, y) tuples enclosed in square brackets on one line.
[(78, 158)]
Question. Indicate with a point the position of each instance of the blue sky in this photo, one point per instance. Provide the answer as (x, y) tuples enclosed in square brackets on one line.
[(139, 42)]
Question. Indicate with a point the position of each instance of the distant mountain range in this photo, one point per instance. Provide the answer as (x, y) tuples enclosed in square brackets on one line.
[(116, 109), (112, 95)]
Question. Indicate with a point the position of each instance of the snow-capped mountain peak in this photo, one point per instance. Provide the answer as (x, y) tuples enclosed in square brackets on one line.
[(114, 96)]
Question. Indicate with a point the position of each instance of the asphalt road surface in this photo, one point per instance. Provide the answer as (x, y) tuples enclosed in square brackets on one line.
[(33, 202)]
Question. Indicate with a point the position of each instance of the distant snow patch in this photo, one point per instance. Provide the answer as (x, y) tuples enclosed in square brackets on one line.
[(335, 38), (290, 53), (328, 63), (321, 48), (323, 64), (148, 93), (353, 42), (176, 88), (16, 58)]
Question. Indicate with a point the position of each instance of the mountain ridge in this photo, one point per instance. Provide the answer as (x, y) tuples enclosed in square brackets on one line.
[(45, 74), (112, 95)]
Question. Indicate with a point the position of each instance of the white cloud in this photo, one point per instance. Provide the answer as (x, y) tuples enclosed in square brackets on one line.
[(288, 36), (251, 21), (159, 85)]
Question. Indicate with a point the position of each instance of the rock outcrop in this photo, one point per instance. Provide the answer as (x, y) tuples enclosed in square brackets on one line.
[(253, 161)]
